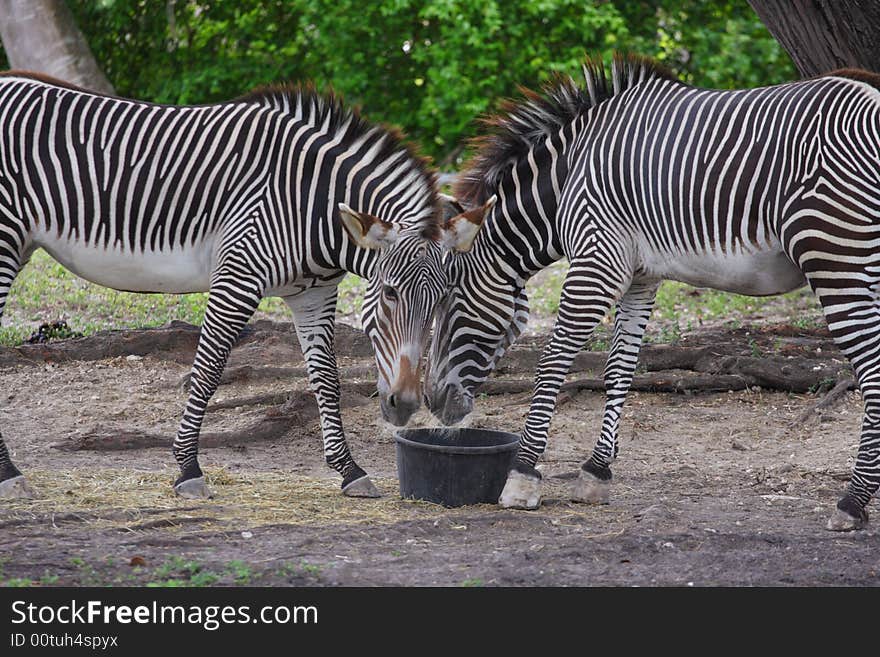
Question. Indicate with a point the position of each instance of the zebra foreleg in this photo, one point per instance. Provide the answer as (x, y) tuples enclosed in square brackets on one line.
[(633, 312), (232, 302), (589, 291), (314, 313), (12, 254)]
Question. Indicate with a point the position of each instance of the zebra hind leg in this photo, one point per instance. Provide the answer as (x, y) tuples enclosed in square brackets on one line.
[(593, 484), (851, 512), (233, 299), (854, 322), (314, 314)]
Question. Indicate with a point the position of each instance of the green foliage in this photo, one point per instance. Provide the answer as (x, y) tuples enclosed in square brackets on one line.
[(718, 44), (429, 66)]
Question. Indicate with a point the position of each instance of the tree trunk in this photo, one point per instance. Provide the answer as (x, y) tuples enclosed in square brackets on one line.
[(824, 35), (41, 36)]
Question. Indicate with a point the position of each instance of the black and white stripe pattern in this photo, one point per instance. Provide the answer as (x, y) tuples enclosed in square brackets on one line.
[(636, 178), (239, 198)]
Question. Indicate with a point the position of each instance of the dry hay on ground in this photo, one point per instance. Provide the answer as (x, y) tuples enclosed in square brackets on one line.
[(132, 499)]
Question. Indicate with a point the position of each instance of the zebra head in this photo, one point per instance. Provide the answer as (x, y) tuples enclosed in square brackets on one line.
[(483, 312), (402, 294)]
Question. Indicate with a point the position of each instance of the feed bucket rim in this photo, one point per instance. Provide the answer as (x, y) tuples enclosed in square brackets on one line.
[(511, 446)]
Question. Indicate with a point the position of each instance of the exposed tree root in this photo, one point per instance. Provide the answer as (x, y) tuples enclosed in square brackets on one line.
[(774, 358), (177, 342), (250, 373), (828, 400)]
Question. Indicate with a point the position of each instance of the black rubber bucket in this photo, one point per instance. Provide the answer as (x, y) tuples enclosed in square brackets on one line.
[(454, 467)]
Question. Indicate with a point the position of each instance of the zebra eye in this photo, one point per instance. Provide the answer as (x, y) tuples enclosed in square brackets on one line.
[(389, 293)]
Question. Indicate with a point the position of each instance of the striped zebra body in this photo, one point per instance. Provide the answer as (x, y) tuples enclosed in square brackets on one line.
[(639, 178), (242, 199)]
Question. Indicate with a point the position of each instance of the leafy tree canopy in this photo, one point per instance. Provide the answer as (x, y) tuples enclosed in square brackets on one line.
[(428, 66)]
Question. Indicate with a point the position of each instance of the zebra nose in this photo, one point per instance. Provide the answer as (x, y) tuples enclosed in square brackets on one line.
[(392, 400)]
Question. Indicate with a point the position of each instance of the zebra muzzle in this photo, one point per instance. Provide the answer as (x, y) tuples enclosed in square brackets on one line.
[(398, 407), (450, 404)]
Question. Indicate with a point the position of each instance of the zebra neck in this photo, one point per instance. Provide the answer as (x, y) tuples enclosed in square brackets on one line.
[(360, 262), (519, 250), (523, 230), (522, 233)]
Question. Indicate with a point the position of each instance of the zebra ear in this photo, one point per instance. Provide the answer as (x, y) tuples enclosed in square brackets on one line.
[(451, 207), (365, 230), (462, 229)]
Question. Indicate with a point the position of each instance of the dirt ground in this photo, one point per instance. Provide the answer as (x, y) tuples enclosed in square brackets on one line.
[(720, 488)]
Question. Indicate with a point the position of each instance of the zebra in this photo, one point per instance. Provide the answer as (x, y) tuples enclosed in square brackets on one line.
[(278, 193), (635, 177)]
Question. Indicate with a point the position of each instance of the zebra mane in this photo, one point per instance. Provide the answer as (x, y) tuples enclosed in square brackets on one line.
[(521, 124), (327, 111), (307, 104)]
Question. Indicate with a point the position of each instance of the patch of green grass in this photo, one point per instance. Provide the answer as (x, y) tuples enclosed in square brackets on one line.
[(45, 291), (601, 338), (680, 307), (296, 571), (670, 333), (89, 574), (14, 335), (240, 571), (178, 572), (677, 300), (287, 570), (755, 348), (809, 322), (351, 295), (472, 582), (175, 564), (310, 568), (203, 578), (825, 384), (544, 290), (18, 582), (48, 579), (167, 583)]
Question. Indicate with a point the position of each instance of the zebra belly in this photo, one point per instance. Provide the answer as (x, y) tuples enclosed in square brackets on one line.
[(754, 274), (176, 272)]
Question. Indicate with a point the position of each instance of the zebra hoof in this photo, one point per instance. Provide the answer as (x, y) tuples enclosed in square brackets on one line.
[(521, 491), (589, 489), (16, 488), (841, 521), (361, 487), (195, 489)]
